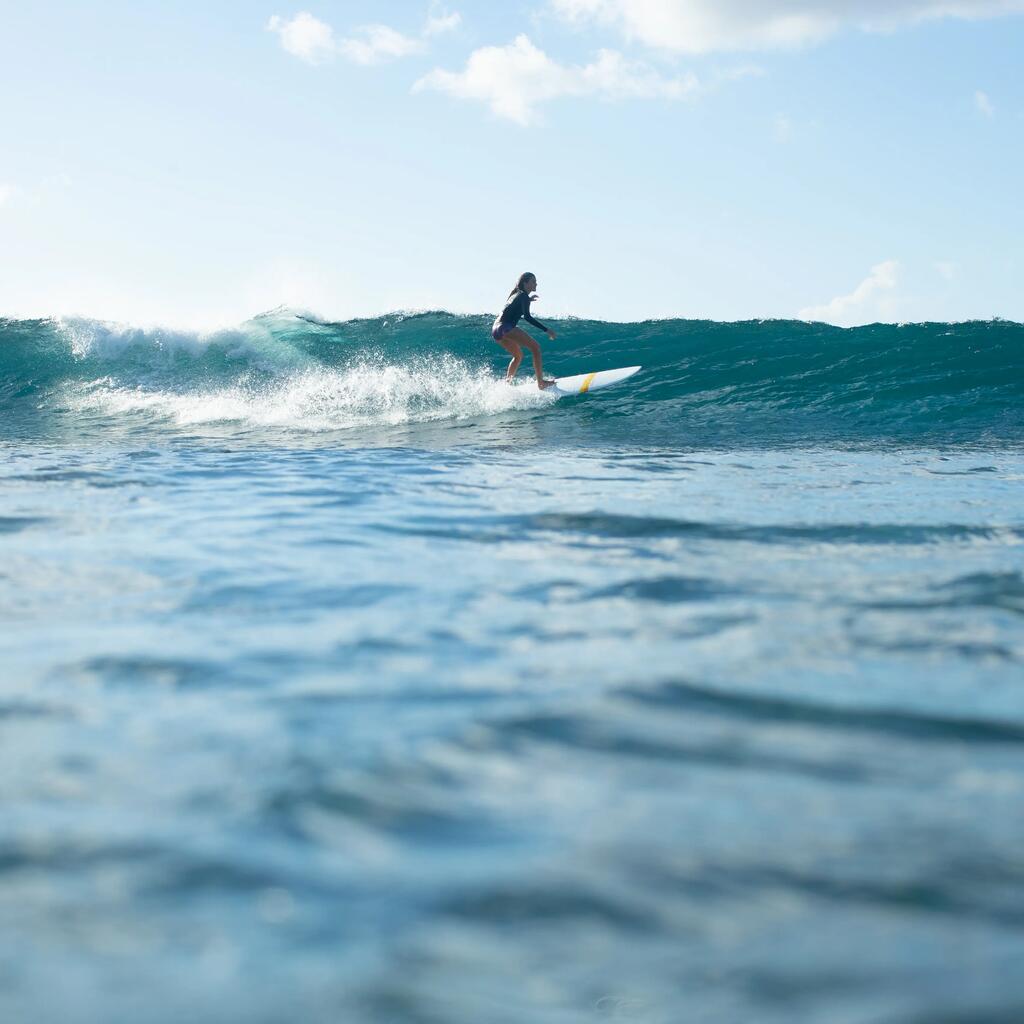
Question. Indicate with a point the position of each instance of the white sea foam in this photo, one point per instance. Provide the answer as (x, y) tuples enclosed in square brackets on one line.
[(366, 394)]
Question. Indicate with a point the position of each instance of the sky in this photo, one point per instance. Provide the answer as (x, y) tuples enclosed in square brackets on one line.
[(196, 163)]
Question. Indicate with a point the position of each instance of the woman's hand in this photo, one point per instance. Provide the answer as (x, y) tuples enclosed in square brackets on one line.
[(551, 335)]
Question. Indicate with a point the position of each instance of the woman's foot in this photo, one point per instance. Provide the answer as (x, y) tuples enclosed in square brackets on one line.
[(542, 384)]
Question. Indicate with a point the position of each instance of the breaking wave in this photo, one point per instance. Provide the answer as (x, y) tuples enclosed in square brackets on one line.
[(703, 382)]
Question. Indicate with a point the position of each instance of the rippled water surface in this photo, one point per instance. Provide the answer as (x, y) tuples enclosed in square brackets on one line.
[(477, 734), (327, 696)]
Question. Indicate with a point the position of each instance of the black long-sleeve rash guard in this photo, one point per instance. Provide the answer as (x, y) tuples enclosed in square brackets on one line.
[(518, 307)]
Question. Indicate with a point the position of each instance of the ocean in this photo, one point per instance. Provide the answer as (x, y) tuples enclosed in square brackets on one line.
[(343, 682)]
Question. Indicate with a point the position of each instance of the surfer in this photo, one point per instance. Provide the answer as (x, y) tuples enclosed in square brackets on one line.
[(512, 338)]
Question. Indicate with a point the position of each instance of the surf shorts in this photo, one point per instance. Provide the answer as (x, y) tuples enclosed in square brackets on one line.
[(499, 330)]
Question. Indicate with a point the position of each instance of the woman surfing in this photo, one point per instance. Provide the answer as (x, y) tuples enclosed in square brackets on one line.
[(511, 338)]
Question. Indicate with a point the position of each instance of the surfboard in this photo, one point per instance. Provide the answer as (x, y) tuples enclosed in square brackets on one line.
[(586, 382)]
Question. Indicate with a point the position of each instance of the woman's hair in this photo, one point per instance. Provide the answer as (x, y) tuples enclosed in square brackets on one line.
[(523, 278)]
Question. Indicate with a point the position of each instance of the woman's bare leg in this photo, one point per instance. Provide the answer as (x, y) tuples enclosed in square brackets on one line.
[(521, 338), (517, 358)]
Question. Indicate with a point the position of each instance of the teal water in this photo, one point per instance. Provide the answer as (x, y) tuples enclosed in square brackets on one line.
[(344, 683)]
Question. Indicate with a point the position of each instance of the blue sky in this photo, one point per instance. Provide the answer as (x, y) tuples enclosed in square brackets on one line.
[(195, 163)]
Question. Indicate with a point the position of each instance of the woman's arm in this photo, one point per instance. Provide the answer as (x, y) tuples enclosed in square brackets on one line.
[(529, 319)]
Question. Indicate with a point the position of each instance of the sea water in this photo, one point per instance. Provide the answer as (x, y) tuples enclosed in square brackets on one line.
[(342, 682)]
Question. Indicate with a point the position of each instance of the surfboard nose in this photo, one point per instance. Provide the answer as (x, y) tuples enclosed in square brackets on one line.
[(583, 383)]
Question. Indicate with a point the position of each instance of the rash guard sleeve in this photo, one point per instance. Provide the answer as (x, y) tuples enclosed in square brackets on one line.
[(526, 314)]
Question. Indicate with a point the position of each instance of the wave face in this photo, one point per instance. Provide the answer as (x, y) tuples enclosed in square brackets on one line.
[(704, 382)]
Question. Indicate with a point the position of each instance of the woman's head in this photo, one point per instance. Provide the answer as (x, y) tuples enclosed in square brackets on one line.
[(527, 283)]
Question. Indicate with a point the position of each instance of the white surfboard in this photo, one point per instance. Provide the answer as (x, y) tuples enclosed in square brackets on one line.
[(585, 382)]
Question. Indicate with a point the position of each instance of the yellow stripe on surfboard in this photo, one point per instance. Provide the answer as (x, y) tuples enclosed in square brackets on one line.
[(585, 386)]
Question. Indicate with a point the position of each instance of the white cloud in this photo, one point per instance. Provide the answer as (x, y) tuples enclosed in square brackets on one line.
[(440, 21), (304, 37), (512, 80), (376, 43), (946, 269), (6, 193), (984, 104), (702, 26), (864, 304), (314, 41)]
